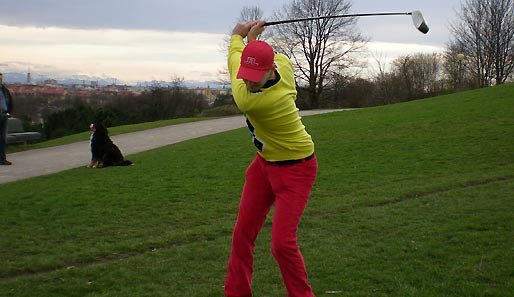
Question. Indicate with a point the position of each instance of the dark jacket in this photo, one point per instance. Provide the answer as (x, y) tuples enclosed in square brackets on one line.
[(7, 95)]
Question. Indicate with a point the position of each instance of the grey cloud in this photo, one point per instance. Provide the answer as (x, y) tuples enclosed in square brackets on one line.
[(186, 16), (212, 16)]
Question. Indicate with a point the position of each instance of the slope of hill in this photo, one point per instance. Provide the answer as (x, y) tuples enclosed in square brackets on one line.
[(412, 199)]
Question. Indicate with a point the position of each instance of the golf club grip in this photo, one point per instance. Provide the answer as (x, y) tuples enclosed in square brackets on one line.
[(334, 16)]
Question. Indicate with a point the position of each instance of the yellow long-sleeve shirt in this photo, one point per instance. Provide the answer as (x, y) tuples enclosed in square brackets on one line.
[(271, 115)]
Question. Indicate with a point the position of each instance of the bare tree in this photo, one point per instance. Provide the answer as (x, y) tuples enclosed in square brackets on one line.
[(250, 14), (382, 80), (411, 77), (420, 74), (319, 49), (485, 32), (457, 69)]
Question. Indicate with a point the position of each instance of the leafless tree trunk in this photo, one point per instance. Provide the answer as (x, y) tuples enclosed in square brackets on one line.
[(485, 32), (320, 48)]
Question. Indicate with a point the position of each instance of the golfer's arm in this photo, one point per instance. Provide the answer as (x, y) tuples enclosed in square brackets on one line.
[(234, 55), (239, 90)]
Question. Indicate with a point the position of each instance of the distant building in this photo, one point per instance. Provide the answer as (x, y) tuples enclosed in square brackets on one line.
[(50, 82), (52, 91), (212, 94), (91, 91)]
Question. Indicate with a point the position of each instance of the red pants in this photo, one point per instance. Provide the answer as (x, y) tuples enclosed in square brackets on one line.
[(287, 188)]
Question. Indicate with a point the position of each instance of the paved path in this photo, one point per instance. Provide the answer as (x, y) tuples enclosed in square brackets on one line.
[(37, 162)]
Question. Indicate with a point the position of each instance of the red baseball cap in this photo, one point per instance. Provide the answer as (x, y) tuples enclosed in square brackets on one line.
[(257, 58)]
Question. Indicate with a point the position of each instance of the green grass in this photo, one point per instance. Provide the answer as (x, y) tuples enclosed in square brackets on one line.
[(412, 199), (112, 131)]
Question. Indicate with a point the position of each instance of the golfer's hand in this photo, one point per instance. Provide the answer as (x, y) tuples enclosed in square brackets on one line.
[(256, 30), (243, 28)]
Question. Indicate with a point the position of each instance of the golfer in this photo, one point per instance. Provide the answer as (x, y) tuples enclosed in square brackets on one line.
[(284, 169)]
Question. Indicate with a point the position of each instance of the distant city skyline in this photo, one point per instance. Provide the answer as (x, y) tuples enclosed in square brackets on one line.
[(20, 78), (159, 40)]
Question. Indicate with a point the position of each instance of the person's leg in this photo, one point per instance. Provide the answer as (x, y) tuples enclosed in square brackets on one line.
[(255, 204), (3, 137), (292, 186)]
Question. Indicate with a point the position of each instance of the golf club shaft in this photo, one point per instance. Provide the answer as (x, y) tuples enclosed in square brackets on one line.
[(336, 16)]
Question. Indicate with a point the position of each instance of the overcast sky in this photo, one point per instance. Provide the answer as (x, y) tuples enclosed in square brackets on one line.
[(163, 39)]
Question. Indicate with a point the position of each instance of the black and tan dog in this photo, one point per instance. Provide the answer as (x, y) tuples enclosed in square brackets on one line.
[(103, 151)]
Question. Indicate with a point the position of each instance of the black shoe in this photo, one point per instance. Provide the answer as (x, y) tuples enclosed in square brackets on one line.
[(5, 162)]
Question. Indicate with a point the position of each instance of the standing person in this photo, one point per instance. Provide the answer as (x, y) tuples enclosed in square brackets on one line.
[(5, 113), (284, 169)]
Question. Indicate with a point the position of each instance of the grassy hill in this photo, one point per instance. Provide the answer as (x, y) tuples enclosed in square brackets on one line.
[(411, 199)]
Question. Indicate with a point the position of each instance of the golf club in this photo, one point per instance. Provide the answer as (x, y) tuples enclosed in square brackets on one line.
[(417, 19)]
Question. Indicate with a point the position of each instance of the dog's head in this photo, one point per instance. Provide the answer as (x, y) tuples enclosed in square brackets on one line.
[(99, 128)]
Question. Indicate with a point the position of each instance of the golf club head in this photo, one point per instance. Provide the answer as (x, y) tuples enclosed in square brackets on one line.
[(419, 22)]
